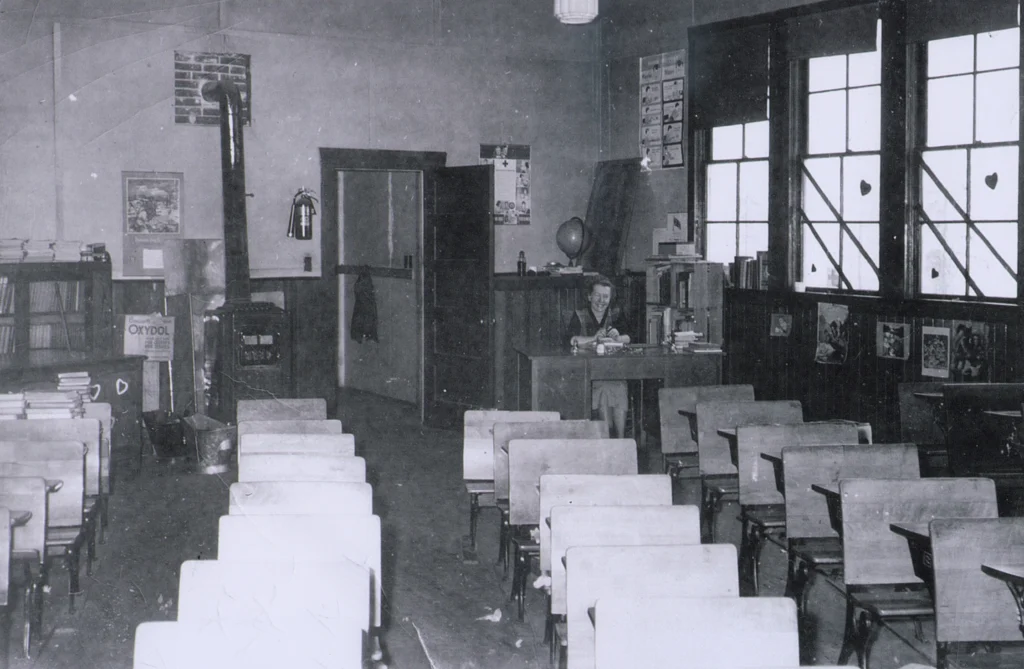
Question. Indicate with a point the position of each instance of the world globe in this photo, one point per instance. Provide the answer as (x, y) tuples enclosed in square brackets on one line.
[(572, 239)]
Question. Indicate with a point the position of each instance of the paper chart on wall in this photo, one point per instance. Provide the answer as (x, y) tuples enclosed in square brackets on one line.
[(663, 109), (511, 181)]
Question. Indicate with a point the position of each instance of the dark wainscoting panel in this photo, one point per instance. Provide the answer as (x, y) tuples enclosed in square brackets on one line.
[(865, 386)]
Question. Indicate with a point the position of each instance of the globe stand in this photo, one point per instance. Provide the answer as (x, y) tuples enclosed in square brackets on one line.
[(572, 239)]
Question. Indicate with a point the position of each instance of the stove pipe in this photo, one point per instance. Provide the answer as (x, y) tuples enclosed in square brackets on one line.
[(232, 161)]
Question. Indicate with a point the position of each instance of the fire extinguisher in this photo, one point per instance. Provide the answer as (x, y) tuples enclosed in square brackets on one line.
[(300, 224)]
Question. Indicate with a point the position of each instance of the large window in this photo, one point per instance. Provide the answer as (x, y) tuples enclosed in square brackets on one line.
[(737, 192), (967, 219), (839, 172)]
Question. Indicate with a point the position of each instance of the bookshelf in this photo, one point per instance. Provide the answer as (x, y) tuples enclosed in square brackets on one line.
[(55, 307), (692, 288)]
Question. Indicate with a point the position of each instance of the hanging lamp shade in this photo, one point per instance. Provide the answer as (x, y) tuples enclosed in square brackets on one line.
[(576, 11)]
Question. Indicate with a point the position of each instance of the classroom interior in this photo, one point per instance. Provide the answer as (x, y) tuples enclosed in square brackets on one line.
[(396, 208)]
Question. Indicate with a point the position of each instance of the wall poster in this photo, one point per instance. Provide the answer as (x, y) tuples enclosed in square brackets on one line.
[(969, 351), (662, 109), (935, 351), (152, 205), (833, 334), (511, 181), (892, 340)]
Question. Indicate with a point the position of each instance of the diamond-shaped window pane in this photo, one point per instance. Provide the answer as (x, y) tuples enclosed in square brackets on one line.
[(721, 241), (721, 192), (998, 106), (860, 188), (994, 184), (950, 111), (826, 122), (754, 190), (826, 173), (855, 265), (991, 277), (951, 169), (939, 274)]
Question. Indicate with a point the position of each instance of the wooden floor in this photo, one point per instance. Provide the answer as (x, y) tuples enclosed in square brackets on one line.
[(435, 605)]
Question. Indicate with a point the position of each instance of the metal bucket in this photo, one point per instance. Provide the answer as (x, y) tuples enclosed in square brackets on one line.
[(212, 441)]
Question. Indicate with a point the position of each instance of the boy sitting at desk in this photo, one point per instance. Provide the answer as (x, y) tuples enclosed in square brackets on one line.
[(599, 323)]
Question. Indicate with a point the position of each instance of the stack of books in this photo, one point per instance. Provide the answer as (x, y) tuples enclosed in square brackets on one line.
[(685, 338), (11, 250), (75, 382), (12, 406), (43, 404), (37, 250), (67, 251)]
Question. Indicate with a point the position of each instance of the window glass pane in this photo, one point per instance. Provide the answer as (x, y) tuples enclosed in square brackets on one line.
[(855, 265), (950, 111), (818, 272), (994, 184), (826, 122), (998, 106), (939, 274), (826, 173), (757, 140), (754, 190), (951, 169), (999, 49), (991, 277), (721, 240), (722, 192), (826, 74), (753, 238), (865, 68), (865, 117), (953, 55), (860, 188), (727, 142)]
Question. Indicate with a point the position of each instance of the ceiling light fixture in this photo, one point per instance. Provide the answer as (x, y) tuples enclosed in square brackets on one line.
[(575, 12)]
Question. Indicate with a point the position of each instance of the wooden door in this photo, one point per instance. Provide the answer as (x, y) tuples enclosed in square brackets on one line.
[(458, 272)]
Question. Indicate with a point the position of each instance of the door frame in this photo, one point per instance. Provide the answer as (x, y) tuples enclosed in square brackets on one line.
[(332, 163)]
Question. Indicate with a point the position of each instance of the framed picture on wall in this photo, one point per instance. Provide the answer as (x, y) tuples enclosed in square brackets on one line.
[(152, 205)]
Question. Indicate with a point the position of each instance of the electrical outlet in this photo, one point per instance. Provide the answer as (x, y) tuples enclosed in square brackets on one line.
[(307, 263)]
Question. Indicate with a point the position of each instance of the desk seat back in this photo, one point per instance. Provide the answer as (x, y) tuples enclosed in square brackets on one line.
[(304, 593), (713, 448), (562, 429), (596, 490), (62, 461), (84, 430), (676, 431), (299, 497), (313, 408), (27, 493), (478, 438), (288, 427), (304, 538), (746, 632), (288, 467), (615, 526), (529, 459), (263, 645), (920, 419), (596, 572), (308, 444), (102, 412), (807, 510), (875, 555), (757, 476), (971, 606), (5, 557)]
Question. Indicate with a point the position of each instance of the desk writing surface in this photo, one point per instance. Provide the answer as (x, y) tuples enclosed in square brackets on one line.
[(1011, 573), (556, 379)]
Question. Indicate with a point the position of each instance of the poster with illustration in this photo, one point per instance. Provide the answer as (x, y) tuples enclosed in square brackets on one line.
[(892, 340), (833, 335), (782, 325), (969, 352), (935, 351), (662, 109), (511, 181)]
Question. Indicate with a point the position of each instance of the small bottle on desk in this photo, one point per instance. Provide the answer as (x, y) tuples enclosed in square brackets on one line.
[(521, 264)]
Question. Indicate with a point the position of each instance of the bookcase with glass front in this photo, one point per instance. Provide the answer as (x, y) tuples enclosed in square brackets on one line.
[(55, 310)]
